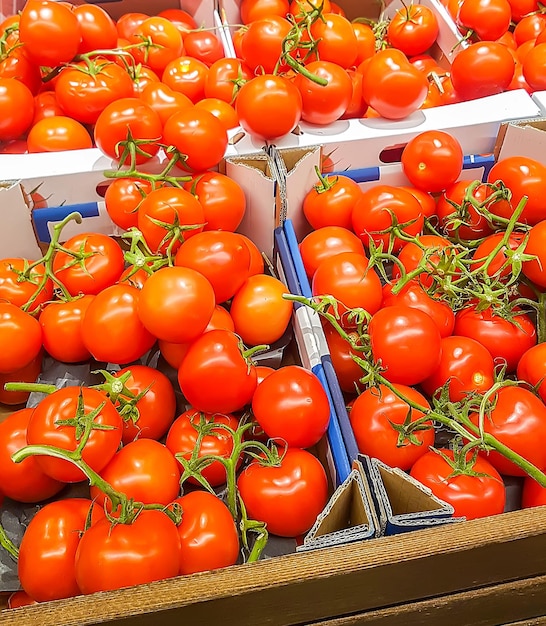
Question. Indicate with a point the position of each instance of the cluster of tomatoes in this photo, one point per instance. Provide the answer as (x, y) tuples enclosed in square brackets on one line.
[(433, 298)]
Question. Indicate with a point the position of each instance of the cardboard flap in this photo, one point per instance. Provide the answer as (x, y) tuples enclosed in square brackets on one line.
[(402, 503), (17, 237), (348, 516), (522, 138)]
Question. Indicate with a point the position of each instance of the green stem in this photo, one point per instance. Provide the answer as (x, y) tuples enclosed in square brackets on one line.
[(7, 544)]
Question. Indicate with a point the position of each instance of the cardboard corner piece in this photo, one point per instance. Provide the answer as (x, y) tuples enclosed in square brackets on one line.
[(349, 515), (402, 503), (522, 138), (17, 236)]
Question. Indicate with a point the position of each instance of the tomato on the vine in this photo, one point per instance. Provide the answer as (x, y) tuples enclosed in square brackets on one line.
[(413, 29), (20, 338)]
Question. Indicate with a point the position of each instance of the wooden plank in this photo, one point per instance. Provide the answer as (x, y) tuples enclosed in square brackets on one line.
[(301, 588), (490, 606)]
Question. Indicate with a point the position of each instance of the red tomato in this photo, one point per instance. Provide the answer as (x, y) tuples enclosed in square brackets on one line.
[(269, 106), (20, 338), (336, 39), (532, 368), (365, 41), (324, 104), (27, 374), (109, 320), (208, 535), (483, 69), (128, 115), (198, 135), (373, 214), (325, 242), (112, 556), (413, 295), (291, 405), (180, 18), (486, 19), (98, 30), (532, 494), (46, 105), (187, 76), (466, 364), (432, 160), (215, 439), (58, 133), (375, 415), (222, 110), (20, 598), (48, 548), (347, 277), (331, 202), (400, 335), (500, 264), (287, 496), (348, 371), (176, 304), (14, 63), (225, 77), (16, 108), (18, 286), (462, 220), (151, 416), (517, 418), (506, 340), (163, 100), (535, 269), (262, 42), (214, 376), (413, 29), (392, 86), (472, 495), (260, 313), (144, 470), (223, 200), (524, 177), (425, 199), (222, 257), (252, 10), (50, 32), (204, 45), (256, 258), (157, 42), (24, 481), (101, 265), (123, 197)]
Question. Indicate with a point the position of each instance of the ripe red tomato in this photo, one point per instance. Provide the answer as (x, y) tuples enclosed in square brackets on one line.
[(517, 419), (524, 177), (154, 412), (50, 32), (98, 30), (225, 77), (20, 598), (326, 242), (413, 295), (472, 496), (108, 323), (187, 76), (336, 40), (331, 202), (18, 286), (112, 556), (291, 405), (223, 200), (487, 20), (221, 256), (208, 535), (198, 135), (214, 376), (44, 429), (27, 374), (222, 110), (16, 108), (48, 548), (535, 269), (101, 266), (466, 364), (432, 160), (128, 115), (348, 371), (144, 470), (373, 214), (392, 86), (261, 45), (506, 340), (324, 104), (58, 133), (532, 494), (483, 69), (347, 277), (287, 496), (532, 368), (532, 64), (163, 100), (176, 304), (203, 44), (24, 481), (269, 106), (123, 197), (260, 313), (156, 43), (464, 221), (400, 335), (374, 415), (20, 338), (413, 29), (252, 10), (217, 440), (499, 266)]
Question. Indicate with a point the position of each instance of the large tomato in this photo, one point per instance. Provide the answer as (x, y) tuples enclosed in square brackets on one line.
[(262, 42), (214, 376), (400, 335), (208, 535), (16, 108), (20, 338), (225, 77), (376, 415), (517, 418), (98, 30), (58, 133), (336, 39), (478, 494), (156, 42), (112, 556), (532, 368), (462, 220), (331, 202), (487, 20), (413, 29), (291, 405), (287, 496), (18, 286)]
